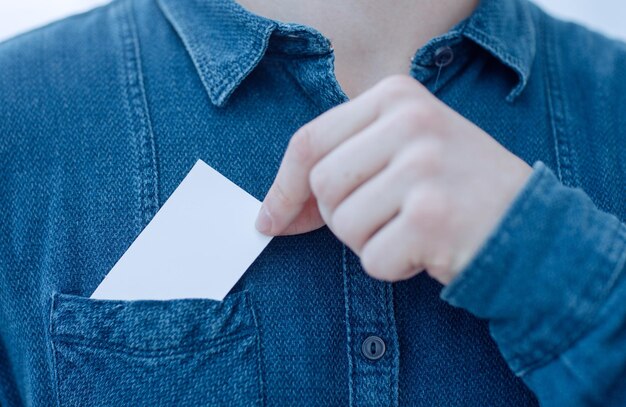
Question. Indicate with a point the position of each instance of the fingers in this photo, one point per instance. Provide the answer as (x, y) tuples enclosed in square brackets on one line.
[(415, 239), (307, 220), (393, 253), (379, 199), (358, 159), (291, 189), (407, 244), (366, 210)]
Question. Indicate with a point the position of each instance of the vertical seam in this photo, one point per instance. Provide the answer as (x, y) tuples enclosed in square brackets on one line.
[(123, 67), (140, 120), (565, 168), (550, 106), (260, 350), (290, 66), (347, 297), (393, 339), (387, 334), (52, 351)]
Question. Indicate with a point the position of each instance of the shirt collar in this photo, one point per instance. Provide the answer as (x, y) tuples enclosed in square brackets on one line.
[(226, 42), (506, 29)]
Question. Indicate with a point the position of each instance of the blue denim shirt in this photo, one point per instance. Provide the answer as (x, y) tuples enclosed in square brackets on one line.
[(103, 114)]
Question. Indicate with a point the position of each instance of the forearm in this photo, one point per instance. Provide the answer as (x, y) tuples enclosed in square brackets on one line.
[(551, 281)]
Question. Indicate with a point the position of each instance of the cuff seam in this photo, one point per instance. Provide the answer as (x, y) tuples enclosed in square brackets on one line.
[(483, 259), (590, 314), (572, 323)]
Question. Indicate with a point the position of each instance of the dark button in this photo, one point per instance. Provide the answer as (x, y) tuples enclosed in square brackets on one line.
[(444, 56), (373, 348)]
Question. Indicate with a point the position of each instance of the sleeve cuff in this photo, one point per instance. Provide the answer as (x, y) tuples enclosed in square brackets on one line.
[(544, 272)]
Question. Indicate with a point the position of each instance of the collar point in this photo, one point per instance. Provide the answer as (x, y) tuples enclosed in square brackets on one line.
[(515, 93), (219, 98), (518, 89)]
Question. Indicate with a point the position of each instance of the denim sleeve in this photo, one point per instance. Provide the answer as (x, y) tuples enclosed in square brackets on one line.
[(551, 280)]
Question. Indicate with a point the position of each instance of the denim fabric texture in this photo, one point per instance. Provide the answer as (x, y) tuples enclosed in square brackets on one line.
[(186, 352), (103, 114)]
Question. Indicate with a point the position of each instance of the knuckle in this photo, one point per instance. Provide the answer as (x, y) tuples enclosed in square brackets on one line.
[(345, 226), (424, 157), (397, 87), (374, 265), (426, 208), (422, 115), (407, 116), (398, 82), (340, 222), (318, 180), (440, 265), (371, 263), (300, 144), (417, 119), (282, 198)]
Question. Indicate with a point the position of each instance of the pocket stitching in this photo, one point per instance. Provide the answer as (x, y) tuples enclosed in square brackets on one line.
[(260, 351), (55, 373), (132, 351), (248, 324), (250, 335)]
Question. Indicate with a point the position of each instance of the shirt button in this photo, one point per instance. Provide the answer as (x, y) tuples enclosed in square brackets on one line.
[(373, 347), (444, 56)]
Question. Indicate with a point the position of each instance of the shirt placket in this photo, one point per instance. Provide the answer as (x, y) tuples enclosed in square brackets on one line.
[(372, 338)]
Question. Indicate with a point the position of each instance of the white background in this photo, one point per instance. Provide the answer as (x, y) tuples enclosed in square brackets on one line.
[(18, 16)]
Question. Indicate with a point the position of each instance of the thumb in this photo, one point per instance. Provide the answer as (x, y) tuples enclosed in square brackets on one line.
[(307, 220)]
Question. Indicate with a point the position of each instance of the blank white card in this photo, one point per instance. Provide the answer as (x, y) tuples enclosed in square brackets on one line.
[(198, 245)]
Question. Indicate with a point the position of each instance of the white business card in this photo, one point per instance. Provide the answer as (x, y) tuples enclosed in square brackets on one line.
[(198, 245)]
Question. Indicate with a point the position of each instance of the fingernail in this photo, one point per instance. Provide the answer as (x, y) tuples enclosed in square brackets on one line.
[(263, 221)]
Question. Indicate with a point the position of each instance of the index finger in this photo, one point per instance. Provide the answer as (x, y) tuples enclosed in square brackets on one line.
[(291, 189)]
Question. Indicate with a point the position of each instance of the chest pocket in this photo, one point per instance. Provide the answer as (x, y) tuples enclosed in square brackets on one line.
[(192, 352)]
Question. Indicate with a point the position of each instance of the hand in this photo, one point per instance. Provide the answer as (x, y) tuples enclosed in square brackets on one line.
[(403, 180)]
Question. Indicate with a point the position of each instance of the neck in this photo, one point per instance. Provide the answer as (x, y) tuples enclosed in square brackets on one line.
[(371, 38)]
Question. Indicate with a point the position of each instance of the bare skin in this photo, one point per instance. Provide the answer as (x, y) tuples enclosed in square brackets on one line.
[(392, 172), (361, 31)]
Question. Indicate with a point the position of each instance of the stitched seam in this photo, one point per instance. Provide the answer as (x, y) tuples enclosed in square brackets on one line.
[(391, 330), (507, 230), (56, 380), (496, 47), (253, 58), (260, 351), (144, 136), (293, 77), (587, 399), (129, 117), (498, 51), (483, 259), (590, 314), (207, 64), (565, 164), (209, 345), (387, 328), (575, 332), (126, 42), (347, 296), (563, 325), (273, 54), (394, 367), (220, 89), (549, 96)]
